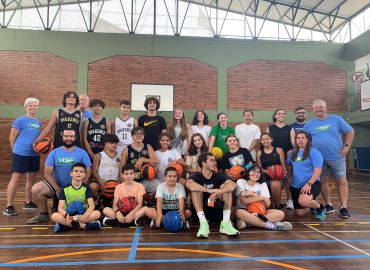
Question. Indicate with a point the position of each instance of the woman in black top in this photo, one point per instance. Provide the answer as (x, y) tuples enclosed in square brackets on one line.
[(266, 157)]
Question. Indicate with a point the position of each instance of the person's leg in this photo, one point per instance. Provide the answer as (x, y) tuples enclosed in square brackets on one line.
[(41, 191), (275, 215), (339, 172), (325, 190), (31, 177), (32, 170), (197, 200), (258, 222), (275, 187), (12, 187), (226, 226)]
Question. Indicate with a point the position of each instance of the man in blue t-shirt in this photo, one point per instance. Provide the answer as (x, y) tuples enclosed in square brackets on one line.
[(57, 173), (300, 119), (332, 136)]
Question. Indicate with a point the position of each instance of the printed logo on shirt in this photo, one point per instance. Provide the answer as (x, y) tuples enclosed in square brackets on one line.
[(33, 125), (149, 123), (323, 128), (65, 161)]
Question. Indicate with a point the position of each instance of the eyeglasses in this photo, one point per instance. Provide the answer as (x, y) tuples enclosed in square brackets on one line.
[(300, 112)]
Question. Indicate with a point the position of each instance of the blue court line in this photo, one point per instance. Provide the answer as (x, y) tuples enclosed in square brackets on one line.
[(216, 259), (134, 245), (185, 243)]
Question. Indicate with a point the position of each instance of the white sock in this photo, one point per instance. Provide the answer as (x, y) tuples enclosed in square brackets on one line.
[(201, 216), (226, 215)]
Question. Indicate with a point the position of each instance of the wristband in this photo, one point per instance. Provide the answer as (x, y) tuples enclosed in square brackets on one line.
[(309, 183), (346, 145)]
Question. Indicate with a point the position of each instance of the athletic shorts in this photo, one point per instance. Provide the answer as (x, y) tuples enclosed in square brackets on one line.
[(315, 191), (336, 167), (25, 164), (165, 211)]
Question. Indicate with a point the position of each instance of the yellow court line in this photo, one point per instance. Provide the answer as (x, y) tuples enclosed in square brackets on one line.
[(340, 223), (315, 224), (40, 228), (6, 229), (363, 222), (156, 249)]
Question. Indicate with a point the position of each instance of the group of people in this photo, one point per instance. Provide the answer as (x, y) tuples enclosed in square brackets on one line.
[(97, 173)]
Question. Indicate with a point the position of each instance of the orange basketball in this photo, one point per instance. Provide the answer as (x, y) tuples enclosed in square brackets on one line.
[(236, 172), (109, 188), (178, 168), (44, 145), (149, 171), (257, 207), (276, 172), (126, 205)]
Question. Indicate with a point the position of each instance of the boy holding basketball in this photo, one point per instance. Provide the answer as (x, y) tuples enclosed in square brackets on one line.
[(77, 193), (252, 204), (128, 201), (170, 196)]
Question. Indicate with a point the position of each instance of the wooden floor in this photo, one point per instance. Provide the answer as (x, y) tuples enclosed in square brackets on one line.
[(332, 244)]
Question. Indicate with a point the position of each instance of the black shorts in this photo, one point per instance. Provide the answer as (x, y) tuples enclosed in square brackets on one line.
[(315, 191), (25, 164)]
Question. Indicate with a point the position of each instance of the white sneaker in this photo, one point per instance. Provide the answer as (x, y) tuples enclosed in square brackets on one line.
[(290, 205), (240, 224)]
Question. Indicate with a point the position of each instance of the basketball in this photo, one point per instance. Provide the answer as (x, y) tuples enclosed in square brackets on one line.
[(257, 207), (178, 168), (172, 221), (75, 208), (217, 152), (44, 145), (276, 172), (126, 204), (149, 171), (109, 188), (236, 172)]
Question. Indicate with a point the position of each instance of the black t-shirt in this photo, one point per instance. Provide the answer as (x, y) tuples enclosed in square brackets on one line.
[(241, 157), (153, 126), (216, 180), (281, 137)]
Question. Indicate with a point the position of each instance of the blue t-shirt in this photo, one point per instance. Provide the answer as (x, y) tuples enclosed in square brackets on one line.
[(88, 114), (297, 127), (62, 162), (326, 135), (29, 130), (303, 169)]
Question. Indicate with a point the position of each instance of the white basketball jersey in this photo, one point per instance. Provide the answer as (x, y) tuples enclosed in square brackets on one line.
[(109, 167), (123, 132)]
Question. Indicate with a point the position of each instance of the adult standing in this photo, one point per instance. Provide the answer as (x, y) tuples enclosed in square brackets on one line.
[(26, 161), (179, 132), (248, 133), (300, 119), (84, 102), (200, 125), (152, 123), (219, 133), (332, 136)]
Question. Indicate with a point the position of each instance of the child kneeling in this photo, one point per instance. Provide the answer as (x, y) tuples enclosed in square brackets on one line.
[(251, 191), (170, 196), (127, 205), (73, 200)]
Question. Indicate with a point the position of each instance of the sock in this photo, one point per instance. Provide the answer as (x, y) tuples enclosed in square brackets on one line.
[(270, 225), (226, 215), (343, 206), (201, 216)]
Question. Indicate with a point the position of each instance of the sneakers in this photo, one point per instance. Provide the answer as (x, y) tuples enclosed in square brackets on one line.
[(282, 226), (93, 225), (226, 227), (58, 228), (329, 208), (313, 211), (343, 213), (186, 225), (39, 218), (320, 213), (109, 222), (29, 206), (152, 224), (203, 229), (138, 222), (240, 224), (290, 205), (10, 211)]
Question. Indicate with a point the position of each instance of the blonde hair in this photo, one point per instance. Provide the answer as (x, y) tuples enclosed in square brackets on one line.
[(31, 100), (319, 101)]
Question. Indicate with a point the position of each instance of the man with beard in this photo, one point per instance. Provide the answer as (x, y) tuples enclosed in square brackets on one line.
[(300, 117), (211, 195), (68, 117), (57, 174), (152, 123)]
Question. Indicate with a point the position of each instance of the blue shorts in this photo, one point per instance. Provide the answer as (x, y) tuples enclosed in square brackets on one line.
[(25, 164), (336, 167)]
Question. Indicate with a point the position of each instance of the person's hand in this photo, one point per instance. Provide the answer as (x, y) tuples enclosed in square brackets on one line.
[(158, 221), (182, 215), (344, 151), (120, 217), (129, 218), (139, 163), (306, 189)]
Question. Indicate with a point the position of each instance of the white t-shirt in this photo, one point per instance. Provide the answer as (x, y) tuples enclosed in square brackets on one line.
[(163, 159), (246, 134), (259, 189), (205, 131), (170, 199)]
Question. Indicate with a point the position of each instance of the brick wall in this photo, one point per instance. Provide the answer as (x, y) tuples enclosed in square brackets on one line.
[(191, 78), (268, 85), (37, 74)]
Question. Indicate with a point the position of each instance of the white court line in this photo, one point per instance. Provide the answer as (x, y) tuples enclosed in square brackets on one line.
[(340, 241)]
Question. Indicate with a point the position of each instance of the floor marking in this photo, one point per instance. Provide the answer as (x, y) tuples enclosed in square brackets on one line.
[(315, 224), (230, 255), (7, 229), (135, 243), (332, 237), (40, 228)]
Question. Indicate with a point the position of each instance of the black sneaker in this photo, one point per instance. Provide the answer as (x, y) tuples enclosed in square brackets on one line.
[(329, 208), (343, 213), (29, 206), (138, 222), (10, 211)]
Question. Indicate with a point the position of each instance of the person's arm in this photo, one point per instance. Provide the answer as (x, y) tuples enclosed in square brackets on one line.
[(159, 211), (267, 130), (95, 173), (13, 136), (49, 126), (136, 123), (152, 158), (306, 189), (113, 126), (347, 140), (194, 186), (130, 216), (182, 208), (228, 186), (89, 210), (292, 136), (62, 211), (123, 159), (84, 139), (281, 157), (258, 160), (88, 173), (109, 127), (211, 142), (253, 144), (49, 176)]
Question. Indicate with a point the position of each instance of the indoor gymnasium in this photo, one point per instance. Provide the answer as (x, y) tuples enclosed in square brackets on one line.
[(180, 134)]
